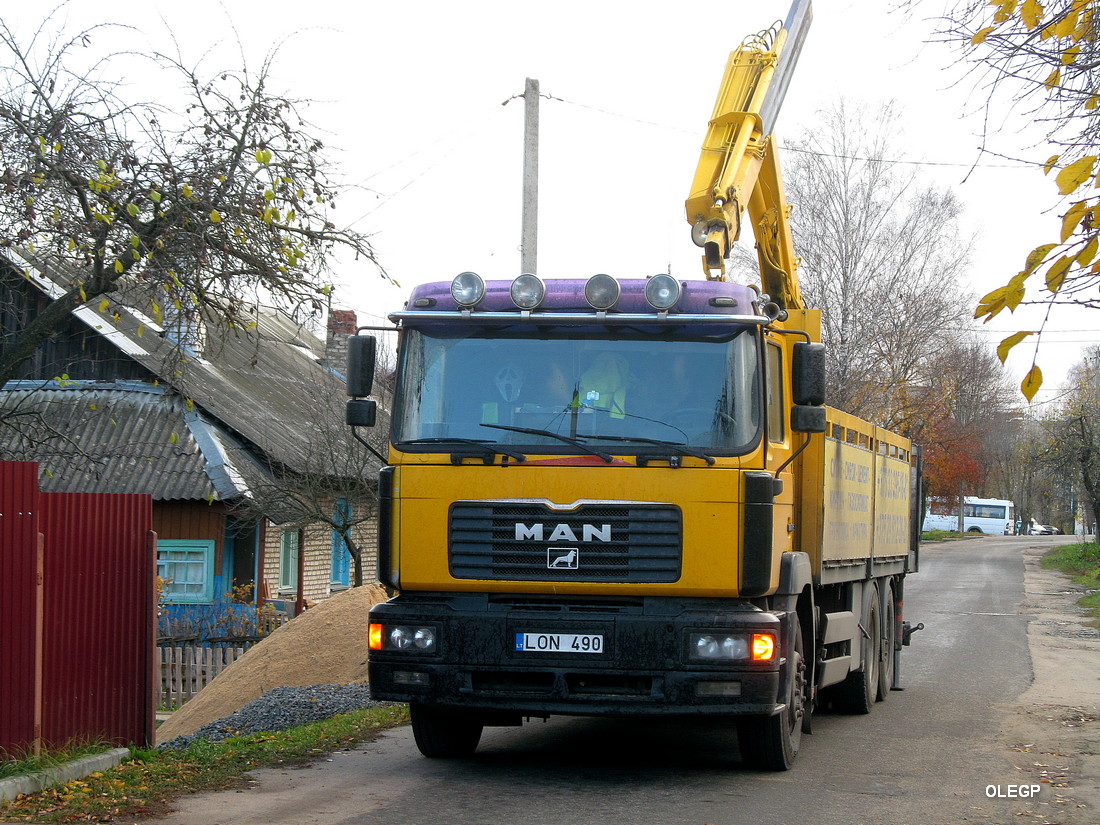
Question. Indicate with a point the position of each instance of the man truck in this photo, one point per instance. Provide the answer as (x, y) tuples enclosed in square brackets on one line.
[(626, 497)]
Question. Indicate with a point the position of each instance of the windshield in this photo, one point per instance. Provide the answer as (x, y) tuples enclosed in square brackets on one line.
[(607, 390)]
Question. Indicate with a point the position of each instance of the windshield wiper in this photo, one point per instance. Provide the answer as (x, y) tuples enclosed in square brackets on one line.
[(580, 445), (479, 447), (682, 449)]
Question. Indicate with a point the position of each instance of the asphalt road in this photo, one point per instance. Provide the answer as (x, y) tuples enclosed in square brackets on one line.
[(926, 756)]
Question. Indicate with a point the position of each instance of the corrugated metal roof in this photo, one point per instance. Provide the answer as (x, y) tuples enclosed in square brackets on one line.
[(262, 379), (126, 440)]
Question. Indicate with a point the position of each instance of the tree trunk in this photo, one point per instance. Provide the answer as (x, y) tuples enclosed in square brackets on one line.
[(962, 512), (356, 560)]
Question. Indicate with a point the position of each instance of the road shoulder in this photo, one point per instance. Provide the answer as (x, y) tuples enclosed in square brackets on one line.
[(1053, 729)]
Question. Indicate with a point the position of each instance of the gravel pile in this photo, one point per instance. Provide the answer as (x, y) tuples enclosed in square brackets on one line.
[(282, 708)]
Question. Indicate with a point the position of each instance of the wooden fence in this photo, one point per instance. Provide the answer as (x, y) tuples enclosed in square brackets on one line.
[(186, 669)]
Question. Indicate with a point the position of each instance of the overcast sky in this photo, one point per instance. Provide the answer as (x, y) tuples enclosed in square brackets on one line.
[(410, 96)]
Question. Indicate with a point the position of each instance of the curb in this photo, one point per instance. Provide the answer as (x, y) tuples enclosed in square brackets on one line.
[(29, 783)]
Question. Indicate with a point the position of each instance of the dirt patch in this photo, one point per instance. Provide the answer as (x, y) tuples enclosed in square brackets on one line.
[(325, 645), (1054, 727)]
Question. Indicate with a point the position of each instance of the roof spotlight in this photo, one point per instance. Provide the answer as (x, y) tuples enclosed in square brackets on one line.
[(467, 289), (699, 231), (601, 292), (527, 291), (662, 292)]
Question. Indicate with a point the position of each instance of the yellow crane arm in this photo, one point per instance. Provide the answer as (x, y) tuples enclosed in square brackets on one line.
[(738, 167)]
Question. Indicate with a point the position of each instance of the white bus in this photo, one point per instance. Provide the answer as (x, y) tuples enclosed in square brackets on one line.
[(992, 516)]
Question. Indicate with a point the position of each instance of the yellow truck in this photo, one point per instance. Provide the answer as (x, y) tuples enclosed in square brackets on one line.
[(626, 497)]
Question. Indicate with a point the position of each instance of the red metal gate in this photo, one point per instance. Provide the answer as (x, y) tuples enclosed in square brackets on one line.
[(20, 606), (92, 646)]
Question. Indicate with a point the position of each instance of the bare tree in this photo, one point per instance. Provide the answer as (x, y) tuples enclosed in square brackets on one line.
[(336, 488), (181, 212), (1074, 431), (881, 256)]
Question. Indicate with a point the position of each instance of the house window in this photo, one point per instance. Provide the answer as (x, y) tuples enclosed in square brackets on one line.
[(186, 568), (341, 558), (288, 560)]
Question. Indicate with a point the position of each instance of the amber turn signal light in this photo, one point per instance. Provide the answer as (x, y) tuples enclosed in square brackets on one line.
[(763, 647)]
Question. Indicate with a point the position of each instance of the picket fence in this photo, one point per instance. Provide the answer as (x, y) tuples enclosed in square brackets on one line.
[(186, 669)]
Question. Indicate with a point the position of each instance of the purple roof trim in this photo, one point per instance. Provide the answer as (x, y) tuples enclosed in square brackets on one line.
[(567, 295)]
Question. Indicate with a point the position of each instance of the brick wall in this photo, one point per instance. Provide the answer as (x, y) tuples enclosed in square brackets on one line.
[(318, 557), (341, 324)]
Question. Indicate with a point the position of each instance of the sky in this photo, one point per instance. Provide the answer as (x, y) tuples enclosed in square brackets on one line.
[(420, 106)]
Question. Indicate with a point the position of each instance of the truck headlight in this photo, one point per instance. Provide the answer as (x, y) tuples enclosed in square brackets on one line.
[(723, 647), (417, 638), (720, 646)]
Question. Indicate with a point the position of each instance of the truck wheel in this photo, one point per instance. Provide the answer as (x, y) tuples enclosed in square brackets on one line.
[(770, 743), (443, 733), (886, 651), (856, 694)]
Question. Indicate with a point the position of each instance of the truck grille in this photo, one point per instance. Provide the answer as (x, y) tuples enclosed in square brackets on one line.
[(593, 543)]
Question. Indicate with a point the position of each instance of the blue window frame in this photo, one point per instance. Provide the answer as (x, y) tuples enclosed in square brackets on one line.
[(186, 567), (341, 557)]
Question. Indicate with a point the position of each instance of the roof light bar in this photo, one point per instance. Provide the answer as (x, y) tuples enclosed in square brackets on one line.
[(602, 292), (662, 292), (527, 291), (467, 289)]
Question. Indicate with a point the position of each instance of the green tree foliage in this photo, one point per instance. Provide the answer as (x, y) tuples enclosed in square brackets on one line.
[(201, 202)]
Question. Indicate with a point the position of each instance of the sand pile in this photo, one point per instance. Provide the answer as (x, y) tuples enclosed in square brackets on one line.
[(326, 644)]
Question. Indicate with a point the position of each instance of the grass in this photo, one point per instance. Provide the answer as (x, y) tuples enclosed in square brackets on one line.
[(1082, 563), (941, 535), (16, 764), (146, 785)]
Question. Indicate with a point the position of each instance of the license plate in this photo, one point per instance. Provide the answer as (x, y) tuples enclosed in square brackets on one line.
[(559, 642)]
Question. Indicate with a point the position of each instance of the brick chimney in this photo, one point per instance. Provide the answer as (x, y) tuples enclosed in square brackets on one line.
[(341, 324)]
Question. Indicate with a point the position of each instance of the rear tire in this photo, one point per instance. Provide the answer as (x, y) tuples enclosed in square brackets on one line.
[(771, 743), (857, 693), (441, 733), (886, 651)]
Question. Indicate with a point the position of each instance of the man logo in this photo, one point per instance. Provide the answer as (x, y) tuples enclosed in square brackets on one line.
[(556, 560), (563, 532)]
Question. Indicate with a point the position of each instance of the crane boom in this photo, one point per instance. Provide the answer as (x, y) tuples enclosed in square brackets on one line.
[(738, 167)]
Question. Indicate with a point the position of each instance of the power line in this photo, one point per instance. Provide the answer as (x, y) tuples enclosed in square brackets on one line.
[(1021, 164)]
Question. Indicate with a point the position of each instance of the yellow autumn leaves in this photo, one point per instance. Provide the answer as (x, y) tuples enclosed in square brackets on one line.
[(1081, 255), (1070, 25), (1074, 25)]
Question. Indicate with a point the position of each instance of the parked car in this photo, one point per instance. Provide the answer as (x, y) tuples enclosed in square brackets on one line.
[(1044, 530)]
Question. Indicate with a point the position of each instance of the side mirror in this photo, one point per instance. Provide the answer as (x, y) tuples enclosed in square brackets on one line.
[(808, 375), (361, 412), (361, 359), (807, 419)]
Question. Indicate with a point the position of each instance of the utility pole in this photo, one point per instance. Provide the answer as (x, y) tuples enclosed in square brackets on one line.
[(529, 241)]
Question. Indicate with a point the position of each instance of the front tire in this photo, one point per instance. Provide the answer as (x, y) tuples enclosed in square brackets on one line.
[(771, 743), (441, 733)]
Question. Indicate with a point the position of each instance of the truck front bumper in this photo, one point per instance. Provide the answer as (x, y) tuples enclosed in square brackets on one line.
[(644, 663)]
